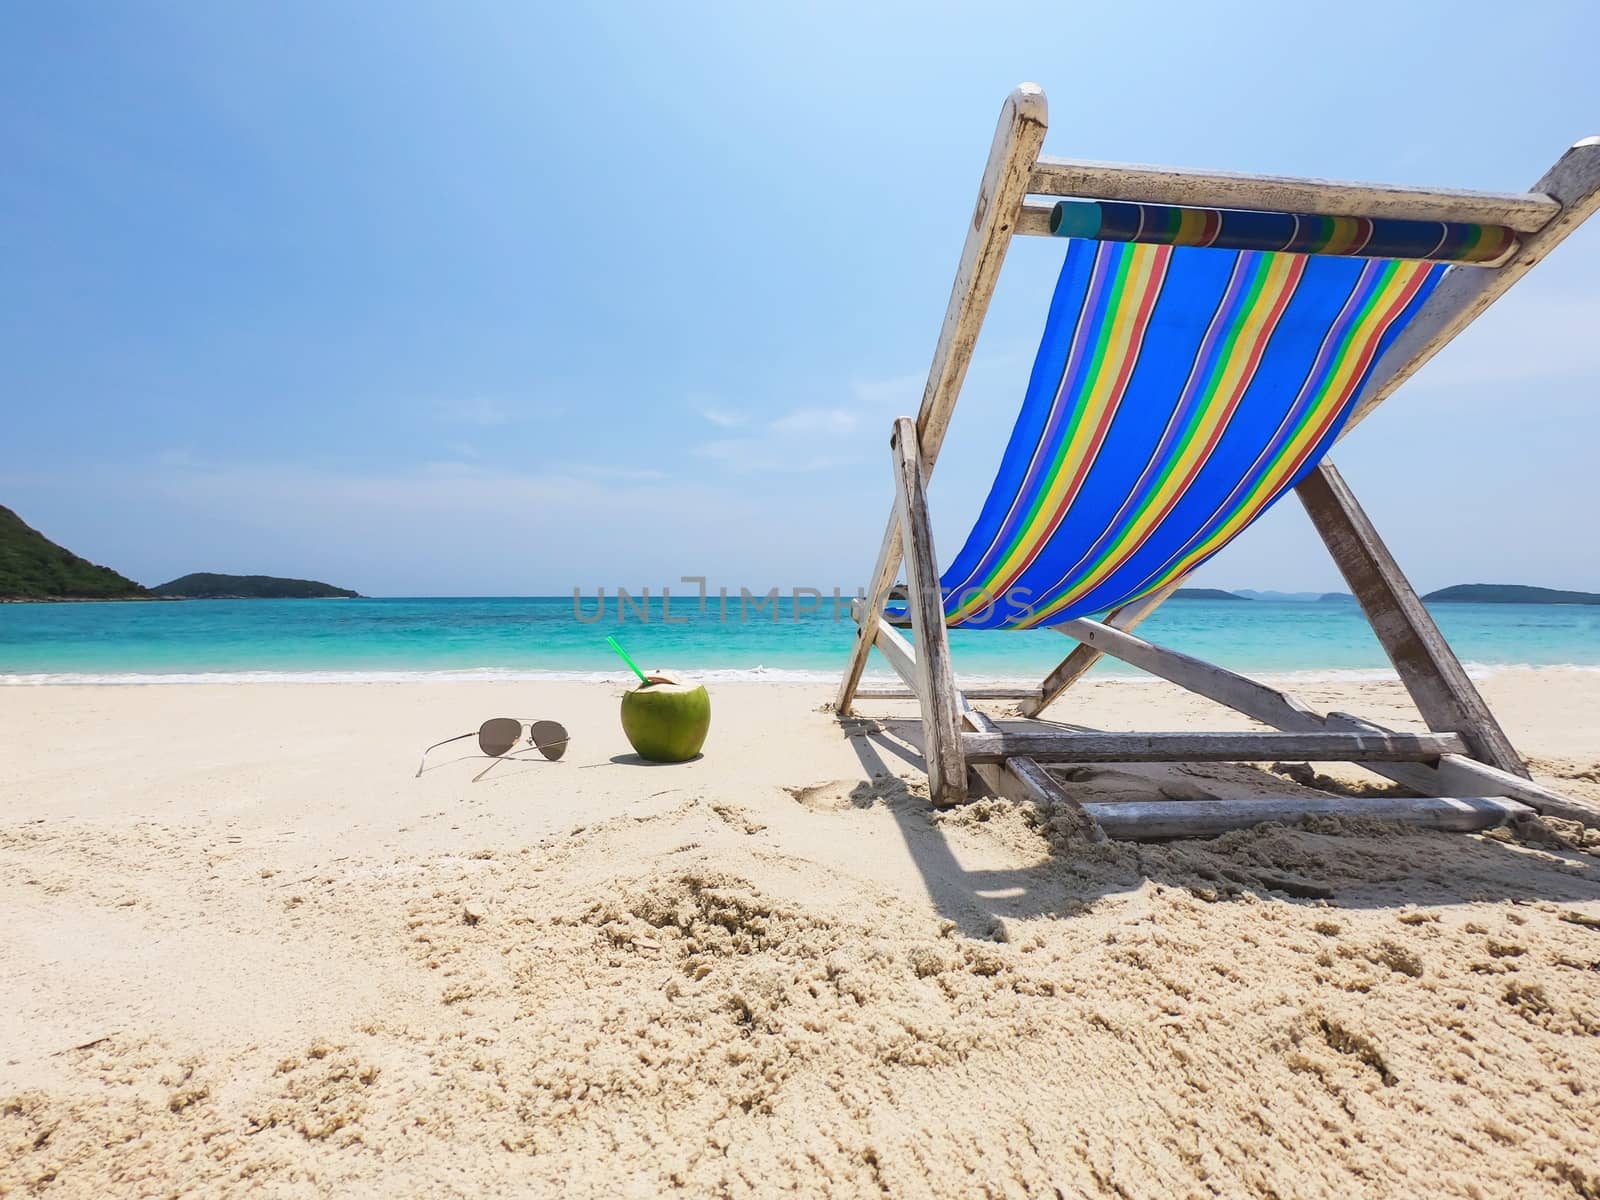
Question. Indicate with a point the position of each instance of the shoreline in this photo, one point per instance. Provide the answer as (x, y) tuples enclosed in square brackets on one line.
[(740, 677)]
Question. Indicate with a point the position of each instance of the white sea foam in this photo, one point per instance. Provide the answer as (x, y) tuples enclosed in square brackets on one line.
[(718, 676), (466, 675)]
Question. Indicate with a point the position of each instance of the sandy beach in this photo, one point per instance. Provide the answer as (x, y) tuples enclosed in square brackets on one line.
[(246, 950)]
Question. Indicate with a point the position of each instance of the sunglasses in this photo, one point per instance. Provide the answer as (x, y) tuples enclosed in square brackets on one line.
[(498, 737)]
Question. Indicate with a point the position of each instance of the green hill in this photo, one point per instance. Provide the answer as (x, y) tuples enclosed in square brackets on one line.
[(205, 586), (32, 567), (1508, 593), (1205, 594)]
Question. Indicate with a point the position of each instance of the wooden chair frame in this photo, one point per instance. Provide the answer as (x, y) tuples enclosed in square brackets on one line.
[(1466, 754)]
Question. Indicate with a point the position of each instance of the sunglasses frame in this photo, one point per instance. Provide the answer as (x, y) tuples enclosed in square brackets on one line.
[(559, 744)]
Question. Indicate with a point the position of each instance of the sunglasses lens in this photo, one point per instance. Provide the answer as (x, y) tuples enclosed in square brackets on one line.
[(551, 738), (499, 734)]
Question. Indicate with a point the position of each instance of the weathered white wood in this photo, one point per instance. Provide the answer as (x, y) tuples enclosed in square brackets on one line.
[(973, 693), (1242, 694), (1462, 296), (1076, 665), (1143, 820), (1137, 182), (1017, 139), (994, 218), (901, 656), (1024, 780), (1265, 704), (941, 715), (1452, 775), (1062, 746), (1458, 773), (1033, 220), (1434, 677)]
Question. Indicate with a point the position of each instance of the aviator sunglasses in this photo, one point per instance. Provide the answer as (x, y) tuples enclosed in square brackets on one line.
[(500, 737)]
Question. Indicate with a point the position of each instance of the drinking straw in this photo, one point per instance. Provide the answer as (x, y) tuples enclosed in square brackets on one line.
[(634, 667)]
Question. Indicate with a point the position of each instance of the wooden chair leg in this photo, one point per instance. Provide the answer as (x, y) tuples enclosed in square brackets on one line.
[(1444, 695), (1017, 139), (941, 715)]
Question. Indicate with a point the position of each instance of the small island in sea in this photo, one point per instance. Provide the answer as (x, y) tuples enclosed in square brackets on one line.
[(1508, 593), (206, 586), (1205, 594)]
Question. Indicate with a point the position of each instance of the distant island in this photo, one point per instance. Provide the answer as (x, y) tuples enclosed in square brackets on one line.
[(1270, 597), (1296, 597), (32, 567), (1508, 593), (205, 586)]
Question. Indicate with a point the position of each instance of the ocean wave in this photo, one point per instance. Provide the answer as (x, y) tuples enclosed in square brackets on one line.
[(782, 675), (461, 675)]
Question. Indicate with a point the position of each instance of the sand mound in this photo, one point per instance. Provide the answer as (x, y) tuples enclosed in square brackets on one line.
[(686, 1026)]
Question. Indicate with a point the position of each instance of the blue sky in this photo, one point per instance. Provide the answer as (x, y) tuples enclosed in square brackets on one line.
[(481, 299)]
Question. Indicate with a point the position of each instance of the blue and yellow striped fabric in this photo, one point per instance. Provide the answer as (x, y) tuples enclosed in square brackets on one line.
[(1178, 391)]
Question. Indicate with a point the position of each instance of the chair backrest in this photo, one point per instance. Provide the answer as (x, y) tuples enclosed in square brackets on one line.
[(1177, 392)]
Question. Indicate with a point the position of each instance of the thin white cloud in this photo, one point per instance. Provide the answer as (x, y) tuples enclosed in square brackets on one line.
[(1524, 339), (903, 393), (801, 440), (769, 454), (818, 420), (620, 474), (823, 437), (478, 410), (722, 417)]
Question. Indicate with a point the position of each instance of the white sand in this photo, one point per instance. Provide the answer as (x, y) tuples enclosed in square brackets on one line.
[(243, 949)]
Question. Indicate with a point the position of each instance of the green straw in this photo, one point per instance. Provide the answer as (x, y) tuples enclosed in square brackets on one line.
[(631, 664)]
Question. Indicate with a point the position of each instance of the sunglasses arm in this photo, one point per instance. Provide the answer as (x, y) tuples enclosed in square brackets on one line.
[(436, 745), (514, 753)]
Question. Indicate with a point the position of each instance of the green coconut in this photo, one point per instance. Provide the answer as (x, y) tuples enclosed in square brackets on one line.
[(666, 721)]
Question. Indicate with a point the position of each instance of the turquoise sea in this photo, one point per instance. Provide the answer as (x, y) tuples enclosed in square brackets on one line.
[(504, 637)]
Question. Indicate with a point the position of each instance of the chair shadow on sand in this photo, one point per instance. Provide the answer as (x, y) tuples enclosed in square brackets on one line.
[(1378, 867)]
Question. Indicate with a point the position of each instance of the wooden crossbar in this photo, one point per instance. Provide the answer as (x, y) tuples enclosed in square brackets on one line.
[(1523, 211), (1453, 774), (901, 656), (1061, 746), (976, 693), (1077, 664), (1497, 246), (1153, 820)]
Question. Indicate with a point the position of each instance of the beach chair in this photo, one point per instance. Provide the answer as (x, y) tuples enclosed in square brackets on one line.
[(1211, 336)]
